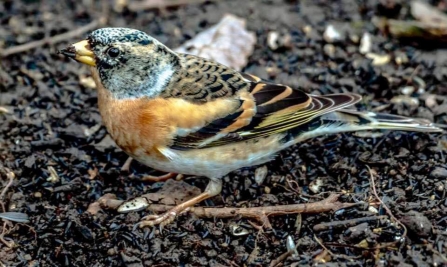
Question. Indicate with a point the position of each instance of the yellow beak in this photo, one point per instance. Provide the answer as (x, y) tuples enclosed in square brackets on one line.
[(81, 52)]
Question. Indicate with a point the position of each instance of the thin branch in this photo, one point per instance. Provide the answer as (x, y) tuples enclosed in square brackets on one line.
[(280, 259), (261, 214), (373, 184), (150, 4), (11, 177), (54, 39), (346, 223)]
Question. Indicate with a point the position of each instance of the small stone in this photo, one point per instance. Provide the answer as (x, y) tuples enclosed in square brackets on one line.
[(307, 29), (332, 34), (272, 71), (378, 60), (403, 99), (357, 232), (315, 185), (211, 253), (37, 194), (87, 81), (354, 38), (407, 90), (430, 101), (111, 252), (401, 58), (440, 187), (260, 174), (417, 223), (276, 41), (329, 50), (373, 210), (439, 173), (272, 40), (54, 177), (267, 190), (365, 43)]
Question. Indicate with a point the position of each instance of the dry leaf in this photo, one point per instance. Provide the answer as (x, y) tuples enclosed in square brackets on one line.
[(427, 13), (173, 192), (227, 42)]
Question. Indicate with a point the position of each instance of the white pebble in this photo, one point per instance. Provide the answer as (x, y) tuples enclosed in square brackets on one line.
[(365, 43), (332, 35)]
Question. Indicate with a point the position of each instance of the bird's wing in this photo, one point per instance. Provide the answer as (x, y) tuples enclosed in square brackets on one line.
[(265, 108)]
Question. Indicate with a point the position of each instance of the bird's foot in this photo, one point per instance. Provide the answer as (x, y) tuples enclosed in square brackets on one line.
[(162, 219), (214, 188)]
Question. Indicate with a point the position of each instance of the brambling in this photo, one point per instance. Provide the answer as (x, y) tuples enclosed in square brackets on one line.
[(186, 114)]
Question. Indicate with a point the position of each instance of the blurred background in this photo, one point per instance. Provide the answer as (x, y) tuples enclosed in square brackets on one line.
[(56, 158)]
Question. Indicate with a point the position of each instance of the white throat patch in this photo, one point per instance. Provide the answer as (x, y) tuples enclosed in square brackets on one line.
[(162, 80)]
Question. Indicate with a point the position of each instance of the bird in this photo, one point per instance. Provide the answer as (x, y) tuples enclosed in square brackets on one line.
[(185, 114)]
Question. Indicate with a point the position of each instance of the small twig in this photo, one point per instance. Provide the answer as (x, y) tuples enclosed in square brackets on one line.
[(11, 177), (54, 39), (126, 165), (280, 259), (346, 223), (373, 184), (323, 246), (149, 4), (345, 257)]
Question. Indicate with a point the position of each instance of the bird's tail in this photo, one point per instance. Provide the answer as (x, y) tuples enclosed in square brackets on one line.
[(372, 120), (346, 120)]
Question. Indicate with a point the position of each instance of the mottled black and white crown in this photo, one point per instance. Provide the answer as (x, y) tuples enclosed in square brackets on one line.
[(107, 36)]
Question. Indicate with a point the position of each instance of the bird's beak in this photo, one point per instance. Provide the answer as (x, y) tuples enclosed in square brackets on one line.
[(80, 51)]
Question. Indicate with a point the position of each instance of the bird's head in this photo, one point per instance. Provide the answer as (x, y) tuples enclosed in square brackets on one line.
[(130, 63)]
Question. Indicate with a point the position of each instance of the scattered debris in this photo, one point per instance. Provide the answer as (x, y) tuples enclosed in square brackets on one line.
[(431, 25), (54, 177), (276, 41), (87, 81), (238, 230), (15, 216), (316, 185), (261, 174), (333, 34), (379, 60), (291, 247), (365, 43)]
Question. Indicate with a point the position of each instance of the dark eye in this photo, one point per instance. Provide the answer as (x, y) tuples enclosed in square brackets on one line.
[(113, 52)]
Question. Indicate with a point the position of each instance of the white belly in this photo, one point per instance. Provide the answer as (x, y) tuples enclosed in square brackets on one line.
[(215, 162)]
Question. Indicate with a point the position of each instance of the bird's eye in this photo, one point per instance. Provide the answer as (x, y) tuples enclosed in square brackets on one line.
[(113, 52)]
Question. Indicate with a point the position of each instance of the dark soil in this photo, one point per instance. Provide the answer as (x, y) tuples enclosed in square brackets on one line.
[(53, 121)]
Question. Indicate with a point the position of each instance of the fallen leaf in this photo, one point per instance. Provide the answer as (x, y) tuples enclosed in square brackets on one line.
[(174, 192), (227, 42)]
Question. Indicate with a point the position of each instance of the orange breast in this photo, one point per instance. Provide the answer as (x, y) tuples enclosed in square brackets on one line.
[(141, 127), (134, 130)]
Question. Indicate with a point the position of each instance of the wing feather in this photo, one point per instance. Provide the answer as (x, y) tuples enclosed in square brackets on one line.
[(266, 108)]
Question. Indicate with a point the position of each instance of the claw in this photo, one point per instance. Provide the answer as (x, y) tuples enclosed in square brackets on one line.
[(162, 220)]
